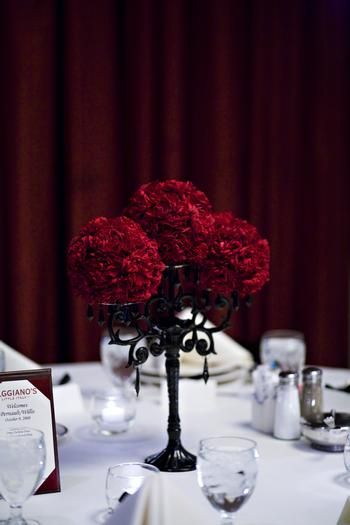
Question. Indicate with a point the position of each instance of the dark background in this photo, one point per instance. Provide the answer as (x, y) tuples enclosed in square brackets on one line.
[(247, 99)]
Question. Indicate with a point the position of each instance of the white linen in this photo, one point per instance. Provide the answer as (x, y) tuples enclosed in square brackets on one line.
[(295, 484), (158, 502), (68, 401), (344, 518), (14, 360)]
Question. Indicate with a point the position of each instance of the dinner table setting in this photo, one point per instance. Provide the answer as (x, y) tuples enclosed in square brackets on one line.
[(176, 421), (295, 482)]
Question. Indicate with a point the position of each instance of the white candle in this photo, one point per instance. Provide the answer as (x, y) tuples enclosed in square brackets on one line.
[(112, 413)]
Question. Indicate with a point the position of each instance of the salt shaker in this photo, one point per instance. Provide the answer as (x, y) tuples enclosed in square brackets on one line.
[(312, 395), (287, 411)]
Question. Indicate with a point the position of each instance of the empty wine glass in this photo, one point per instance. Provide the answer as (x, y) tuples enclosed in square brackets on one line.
[(22, 464), (114, 359), (125, 479), (347, 454), (227, 471), (284, 349)]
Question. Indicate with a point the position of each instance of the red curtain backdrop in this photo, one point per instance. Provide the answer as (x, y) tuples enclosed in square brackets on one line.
[(247, 99)]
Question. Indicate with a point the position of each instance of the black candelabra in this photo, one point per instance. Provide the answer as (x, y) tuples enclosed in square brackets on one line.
[(160, 330)]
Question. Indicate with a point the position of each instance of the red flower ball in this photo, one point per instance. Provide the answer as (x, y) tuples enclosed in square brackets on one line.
[(239, 259), (113, 260), (176, 215)]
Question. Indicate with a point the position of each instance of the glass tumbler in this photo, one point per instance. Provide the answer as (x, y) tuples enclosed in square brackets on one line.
[(283, 349)]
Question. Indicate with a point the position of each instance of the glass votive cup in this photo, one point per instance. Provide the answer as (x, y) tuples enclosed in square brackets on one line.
[(113, 411), (283, 349)]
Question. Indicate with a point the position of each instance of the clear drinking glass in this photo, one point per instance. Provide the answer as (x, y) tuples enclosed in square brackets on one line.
[(22, 464), (227, 470), (284, 349), (125, 479), (114, 360), (347, 454)]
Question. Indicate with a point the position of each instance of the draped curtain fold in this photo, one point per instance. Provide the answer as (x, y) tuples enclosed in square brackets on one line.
[(247, 99)]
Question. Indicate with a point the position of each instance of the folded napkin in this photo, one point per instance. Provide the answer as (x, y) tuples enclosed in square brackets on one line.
[(160, 501), (15, 360), (344, 518), (67, 398), (230, 358), (229, 352), (68, 402)]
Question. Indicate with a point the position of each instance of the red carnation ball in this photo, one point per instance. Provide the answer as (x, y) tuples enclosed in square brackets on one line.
[(176, 215), (239, 259), (114, 261)]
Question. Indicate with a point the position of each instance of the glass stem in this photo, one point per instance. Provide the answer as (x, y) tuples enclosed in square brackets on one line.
[(16, 515), (226, 518)]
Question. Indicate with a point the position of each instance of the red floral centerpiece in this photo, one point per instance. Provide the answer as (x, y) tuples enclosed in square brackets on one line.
[(169, 252), (113, 260), (177, 216), (238, 258)]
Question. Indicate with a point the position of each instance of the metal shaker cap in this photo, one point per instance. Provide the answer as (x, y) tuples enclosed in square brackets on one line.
[(288, 377), (312, 374)]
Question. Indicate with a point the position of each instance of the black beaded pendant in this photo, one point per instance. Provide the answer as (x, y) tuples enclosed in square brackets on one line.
[(205, 370), (90, 312)]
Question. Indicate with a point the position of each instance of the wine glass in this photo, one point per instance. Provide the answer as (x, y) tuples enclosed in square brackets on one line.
[(227, 471), (22, 464), (347, 455), (125, 479), (114, 360), (284, 349)]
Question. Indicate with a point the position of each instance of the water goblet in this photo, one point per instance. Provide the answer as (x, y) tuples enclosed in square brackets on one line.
[(22, 464), (125, 479), (347, 455), (284, 349), (114, 360), (227, 471)]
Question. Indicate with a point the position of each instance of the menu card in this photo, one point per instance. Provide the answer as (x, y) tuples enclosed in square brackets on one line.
[(26, 400)]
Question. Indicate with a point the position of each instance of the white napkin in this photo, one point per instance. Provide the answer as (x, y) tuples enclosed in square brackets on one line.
[(229, 352), (68, 401), (160, 501), (230, 359), (344, 518), (15, 360)]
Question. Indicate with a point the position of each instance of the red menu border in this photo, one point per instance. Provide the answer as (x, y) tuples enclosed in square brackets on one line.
[(42, 379)]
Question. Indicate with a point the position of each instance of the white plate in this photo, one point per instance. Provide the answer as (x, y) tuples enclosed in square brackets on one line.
[(221, 375)]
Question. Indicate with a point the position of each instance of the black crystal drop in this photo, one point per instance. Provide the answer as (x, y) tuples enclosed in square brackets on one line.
[(101, 317), (249, 300), (205, 370), (235, 300), (137, 381), (90, 312)]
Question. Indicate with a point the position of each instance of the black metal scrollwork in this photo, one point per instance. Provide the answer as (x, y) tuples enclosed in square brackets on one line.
[(160, 328)]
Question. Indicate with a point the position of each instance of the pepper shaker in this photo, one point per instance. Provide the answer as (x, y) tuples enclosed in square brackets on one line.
[(312, 395), (287, 411)]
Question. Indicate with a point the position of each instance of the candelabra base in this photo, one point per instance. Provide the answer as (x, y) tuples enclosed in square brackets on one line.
[(173, 459)]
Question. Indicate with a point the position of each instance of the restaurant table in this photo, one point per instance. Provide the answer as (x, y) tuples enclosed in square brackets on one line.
[(296, 484)]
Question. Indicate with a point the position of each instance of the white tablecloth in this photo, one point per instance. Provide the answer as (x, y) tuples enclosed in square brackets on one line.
[(296, 484)]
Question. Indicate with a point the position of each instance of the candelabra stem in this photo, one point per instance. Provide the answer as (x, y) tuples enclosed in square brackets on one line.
[(174, 458)]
